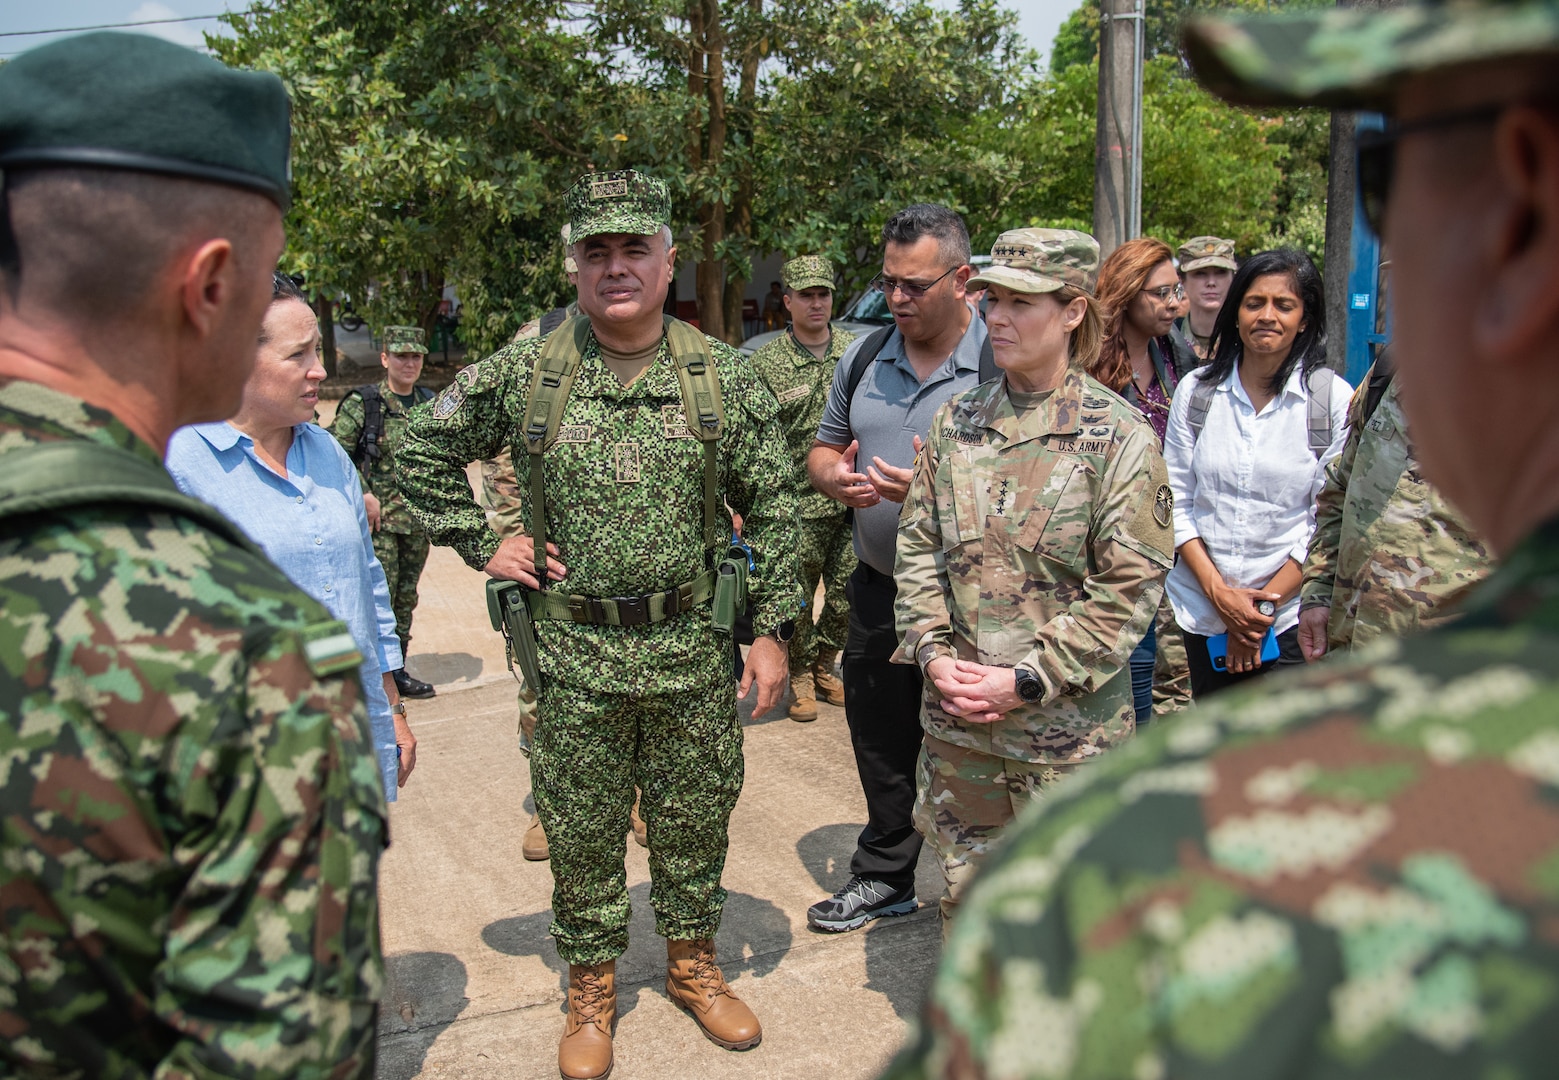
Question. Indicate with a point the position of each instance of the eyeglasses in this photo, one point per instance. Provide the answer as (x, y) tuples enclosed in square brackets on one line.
[(1376, 153), (1166, 293), (912, 289)]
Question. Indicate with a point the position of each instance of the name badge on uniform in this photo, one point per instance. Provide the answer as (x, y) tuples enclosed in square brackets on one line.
[(627, 458), (574, 433), (673, 418), (795, 393)]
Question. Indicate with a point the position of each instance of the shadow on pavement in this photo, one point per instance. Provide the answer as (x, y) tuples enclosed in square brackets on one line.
[(444, 668), (826, 852), (424, 993), (754, 935)]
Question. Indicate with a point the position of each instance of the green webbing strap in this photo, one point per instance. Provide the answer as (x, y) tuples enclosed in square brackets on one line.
[(622, 610), (700, 385), (549, 388), (75, 473)]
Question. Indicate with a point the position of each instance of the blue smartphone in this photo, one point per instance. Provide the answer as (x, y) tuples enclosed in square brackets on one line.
[(1218, 650)]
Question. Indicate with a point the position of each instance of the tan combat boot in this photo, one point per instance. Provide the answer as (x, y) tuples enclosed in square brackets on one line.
[(641, 834), (585, 1051), (803, 705), (534, 846), (694, 982), (829, 688)]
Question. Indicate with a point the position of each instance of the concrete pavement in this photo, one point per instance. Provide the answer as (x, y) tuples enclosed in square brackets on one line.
[(475, 985)]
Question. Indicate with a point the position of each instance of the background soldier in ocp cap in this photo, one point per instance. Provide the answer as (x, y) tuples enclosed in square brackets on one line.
[(1345, 870), (636, 685), (192, 814), (400, 543), (798, 367)]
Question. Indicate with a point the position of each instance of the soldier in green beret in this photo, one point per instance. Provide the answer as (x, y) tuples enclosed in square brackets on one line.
[(635, 433), (191, 809), (369, 424), (798, 368), (1347, 870)]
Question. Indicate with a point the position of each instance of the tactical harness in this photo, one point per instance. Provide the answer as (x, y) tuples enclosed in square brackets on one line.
[(1318, 409), (551, 382), (366, 452)]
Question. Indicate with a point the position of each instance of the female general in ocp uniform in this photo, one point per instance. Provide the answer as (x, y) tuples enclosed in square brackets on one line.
[(1032, 551)]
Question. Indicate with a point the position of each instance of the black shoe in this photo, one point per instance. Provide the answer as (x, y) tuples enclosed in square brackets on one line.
[(406, 686), (859, 902)]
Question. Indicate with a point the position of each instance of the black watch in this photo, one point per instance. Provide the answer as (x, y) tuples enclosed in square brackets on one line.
[(1029, 687), (784, 631)]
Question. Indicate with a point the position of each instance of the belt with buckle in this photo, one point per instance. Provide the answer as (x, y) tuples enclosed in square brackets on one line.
[(622, 610)]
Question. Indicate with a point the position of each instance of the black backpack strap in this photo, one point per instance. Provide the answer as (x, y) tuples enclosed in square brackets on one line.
[(552, 320), (863, 359), (366, 452), (988, 369), (1318, 410), (422, 394), (73, 473)]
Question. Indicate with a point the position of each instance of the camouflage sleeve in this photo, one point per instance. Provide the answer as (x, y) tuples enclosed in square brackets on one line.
[(1130, 537), (471, 420), (346, 427), (272, 964), (920, 569), (1320, 568), (759, 488)]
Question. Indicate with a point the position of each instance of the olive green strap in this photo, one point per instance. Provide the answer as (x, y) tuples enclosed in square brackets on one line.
[(700, 385), (74, 473), (551, 382)]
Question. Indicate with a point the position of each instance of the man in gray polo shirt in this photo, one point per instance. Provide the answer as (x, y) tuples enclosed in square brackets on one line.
[(863, 457)]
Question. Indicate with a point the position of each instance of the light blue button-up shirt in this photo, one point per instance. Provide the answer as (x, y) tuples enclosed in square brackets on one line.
[(313, 526)]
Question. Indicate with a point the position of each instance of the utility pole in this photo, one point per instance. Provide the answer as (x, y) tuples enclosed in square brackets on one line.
[(1117, 176)]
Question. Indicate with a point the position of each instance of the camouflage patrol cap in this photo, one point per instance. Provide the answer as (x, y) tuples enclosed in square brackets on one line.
[(1200, 252), (404, 339), (569, 265), (1041, 260), (807, 272), (1356, 57), (625, 201), (129, 101)]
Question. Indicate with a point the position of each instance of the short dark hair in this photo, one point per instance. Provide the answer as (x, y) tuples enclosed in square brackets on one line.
[(284, 288), (89, 242), (928, 219), (1309, 350)]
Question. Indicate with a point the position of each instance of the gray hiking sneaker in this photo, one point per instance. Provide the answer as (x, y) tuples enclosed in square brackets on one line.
[(859, 902)]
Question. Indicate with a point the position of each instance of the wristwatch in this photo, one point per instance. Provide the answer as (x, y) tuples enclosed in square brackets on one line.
[(784, 631), (1267, 608), (399, 709), (1029, 687)]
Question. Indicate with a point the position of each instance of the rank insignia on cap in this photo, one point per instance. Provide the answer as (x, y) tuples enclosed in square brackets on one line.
[(608, 189)]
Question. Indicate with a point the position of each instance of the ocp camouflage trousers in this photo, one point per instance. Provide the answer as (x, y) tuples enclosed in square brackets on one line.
[(1171, 669), (963, 801), (827, 554), (590, 749), (403, 555)]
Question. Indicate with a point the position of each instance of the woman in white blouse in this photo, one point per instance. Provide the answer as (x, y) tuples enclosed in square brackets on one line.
[(1248, 440)]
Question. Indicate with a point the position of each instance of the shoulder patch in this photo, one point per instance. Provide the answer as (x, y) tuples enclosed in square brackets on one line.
[(1154, 521), (454, 395), (329, 649)]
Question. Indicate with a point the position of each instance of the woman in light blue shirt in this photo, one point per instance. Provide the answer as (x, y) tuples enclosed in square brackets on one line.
[(1245, 470), (291, 487)]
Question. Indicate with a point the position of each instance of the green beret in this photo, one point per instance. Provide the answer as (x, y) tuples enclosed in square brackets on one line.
[(625, 201), (130, 101)]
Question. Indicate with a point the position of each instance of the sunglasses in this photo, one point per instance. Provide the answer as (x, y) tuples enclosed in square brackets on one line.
[(912, 289), (1376, 153)]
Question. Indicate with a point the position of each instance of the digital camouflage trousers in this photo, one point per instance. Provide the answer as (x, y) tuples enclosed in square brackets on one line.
[(403, 555), (827, 555)]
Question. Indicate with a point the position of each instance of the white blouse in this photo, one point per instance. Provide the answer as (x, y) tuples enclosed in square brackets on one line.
[(1247, 487)]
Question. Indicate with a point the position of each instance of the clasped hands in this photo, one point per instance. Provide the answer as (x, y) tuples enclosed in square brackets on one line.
[(977, 693), (1247, 627)]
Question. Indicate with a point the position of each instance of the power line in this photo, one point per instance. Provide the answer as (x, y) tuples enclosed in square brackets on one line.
[(112, 26)]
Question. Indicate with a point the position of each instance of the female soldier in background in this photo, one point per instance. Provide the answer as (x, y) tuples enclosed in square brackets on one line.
[(1031, 557)]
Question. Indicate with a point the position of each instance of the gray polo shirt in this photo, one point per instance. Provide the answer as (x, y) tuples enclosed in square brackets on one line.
[(891, 407)]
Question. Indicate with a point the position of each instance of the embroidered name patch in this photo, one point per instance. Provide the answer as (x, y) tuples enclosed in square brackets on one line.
[(1080, 446), (608, 189), (673, 418), (969, 438), (794, 393), (574, 433)]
